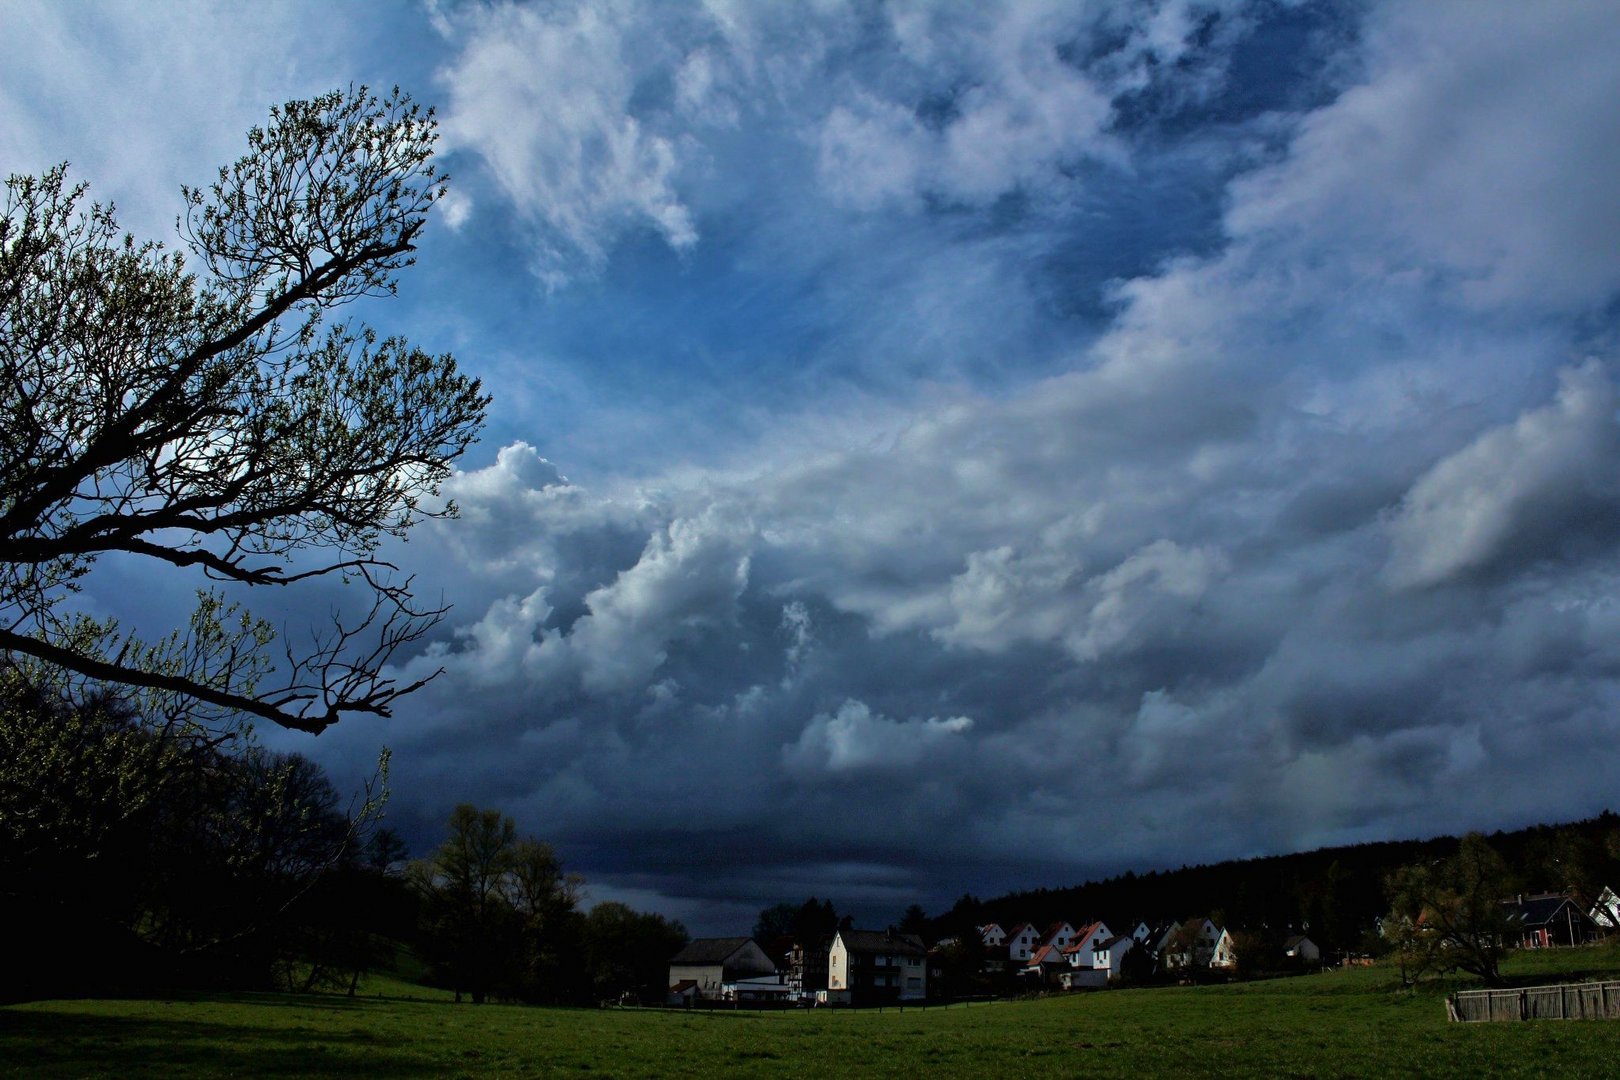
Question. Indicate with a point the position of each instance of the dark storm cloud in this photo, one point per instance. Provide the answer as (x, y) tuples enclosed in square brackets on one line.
[(1311, 543)]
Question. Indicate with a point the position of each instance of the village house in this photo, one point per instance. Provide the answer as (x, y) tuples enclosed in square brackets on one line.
[(1303, 949), (1081, 950), (1045, 965), (1022, 941), (1108, 956), (1543, 920), (1058, 934), (873, 967), (705, 967), (995, 947), (1187, 945)]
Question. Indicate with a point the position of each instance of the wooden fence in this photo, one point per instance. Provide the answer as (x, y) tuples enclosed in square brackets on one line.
[(1570, 1001)]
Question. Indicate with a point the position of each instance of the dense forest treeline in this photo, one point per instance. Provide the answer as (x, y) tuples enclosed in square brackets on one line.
[(140, 852), (1337, 894)]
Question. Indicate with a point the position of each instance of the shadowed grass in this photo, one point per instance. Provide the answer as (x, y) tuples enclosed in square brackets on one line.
[(1351, 1023)]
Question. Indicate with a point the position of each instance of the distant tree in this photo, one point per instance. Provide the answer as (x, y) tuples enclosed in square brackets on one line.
[(464, 887), (627, 952), (775, 921), (545, 900), (82, 788), (79, 776), (386, 850), (205, 417), (1257, 952), (1449, 916), (499, 914), (1137, 966), (1580, 859), (250, 867), (962, 964), (915, 920), (168, 860), (965, 915), (1323, 908), (813, 921)]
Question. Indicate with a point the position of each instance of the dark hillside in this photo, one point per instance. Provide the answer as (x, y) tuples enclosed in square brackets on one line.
[(1337, 893)]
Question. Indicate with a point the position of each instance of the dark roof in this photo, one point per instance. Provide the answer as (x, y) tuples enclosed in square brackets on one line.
[(1540, 910), (683, 986), (714, 950), (881, 941)]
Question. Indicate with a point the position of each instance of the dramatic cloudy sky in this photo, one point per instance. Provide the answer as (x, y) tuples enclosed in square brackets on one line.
[(945, 447)]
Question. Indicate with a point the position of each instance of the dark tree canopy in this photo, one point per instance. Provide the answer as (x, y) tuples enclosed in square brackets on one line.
[(139, 859), (500, 914), (1449, 915), (211, 417)]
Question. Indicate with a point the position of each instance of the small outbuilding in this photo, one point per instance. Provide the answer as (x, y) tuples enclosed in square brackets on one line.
[(1303, 949)]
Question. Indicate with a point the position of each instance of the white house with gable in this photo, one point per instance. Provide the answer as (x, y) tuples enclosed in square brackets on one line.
[(1022, 941), (1058, 935), (1109, 956), (871, 967), (1081, 952)]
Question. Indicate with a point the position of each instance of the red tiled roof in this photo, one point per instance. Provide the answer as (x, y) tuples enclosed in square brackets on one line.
[(1046, 954), (1081, 935)]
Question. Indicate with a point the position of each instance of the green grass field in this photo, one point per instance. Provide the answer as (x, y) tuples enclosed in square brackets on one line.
[(1352, 1023)]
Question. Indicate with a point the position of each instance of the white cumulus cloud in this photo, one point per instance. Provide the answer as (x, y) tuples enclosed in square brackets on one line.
[(857, 738)]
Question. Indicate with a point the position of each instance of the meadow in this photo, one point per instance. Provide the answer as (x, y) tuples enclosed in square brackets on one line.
[(1344, 1023)]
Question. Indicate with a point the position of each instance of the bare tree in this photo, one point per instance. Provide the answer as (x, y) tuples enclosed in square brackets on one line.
[(212, 418)]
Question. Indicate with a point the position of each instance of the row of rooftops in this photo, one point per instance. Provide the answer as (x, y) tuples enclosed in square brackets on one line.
[(1063, 938), (1025, 942)]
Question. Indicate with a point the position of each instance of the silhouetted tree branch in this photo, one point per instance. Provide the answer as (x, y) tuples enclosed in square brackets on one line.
[(216, 422)]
